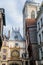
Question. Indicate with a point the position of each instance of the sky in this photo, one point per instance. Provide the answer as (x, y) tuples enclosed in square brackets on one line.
[(13, 14)]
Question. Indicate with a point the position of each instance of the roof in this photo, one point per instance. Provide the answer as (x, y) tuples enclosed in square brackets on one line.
[(15, 35), (30, 22)]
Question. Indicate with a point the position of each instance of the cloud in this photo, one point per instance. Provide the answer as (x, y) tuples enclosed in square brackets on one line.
[(13, 13)]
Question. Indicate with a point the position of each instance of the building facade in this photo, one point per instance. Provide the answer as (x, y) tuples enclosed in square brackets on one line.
[(2, 23), (30, 29), (40, 33), (13, 50)]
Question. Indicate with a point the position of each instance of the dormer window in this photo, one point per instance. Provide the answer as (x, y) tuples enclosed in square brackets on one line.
[(16, 37), (33, 14)]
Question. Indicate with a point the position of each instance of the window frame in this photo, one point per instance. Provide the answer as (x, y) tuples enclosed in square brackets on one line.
[(40, 38), (4, 50), (4, 57), (16, 44)]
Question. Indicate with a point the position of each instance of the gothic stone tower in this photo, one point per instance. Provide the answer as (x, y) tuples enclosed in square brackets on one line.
[(29, 12), (2, 23), (30, 29)]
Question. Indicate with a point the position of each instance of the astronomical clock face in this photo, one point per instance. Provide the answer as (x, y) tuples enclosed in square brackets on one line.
[(15, 53)]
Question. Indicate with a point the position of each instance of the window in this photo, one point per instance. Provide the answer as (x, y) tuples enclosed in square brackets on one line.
[(41, 22), (38, 26), (23, 55), (4, 43), (16, 37), (4, 57), (16, 44), (42, 34), (4, 50), (41, 53), (33, 14), (26, 62), (41, 19), (40, 38)]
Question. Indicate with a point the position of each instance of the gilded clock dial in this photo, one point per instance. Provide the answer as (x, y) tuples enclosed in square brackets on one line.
[(15, 53)]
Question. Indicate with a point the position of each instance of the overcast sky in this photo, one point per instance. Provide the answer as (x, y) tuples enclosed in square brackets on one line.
[(13, 13)]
